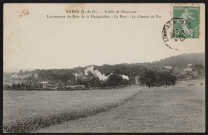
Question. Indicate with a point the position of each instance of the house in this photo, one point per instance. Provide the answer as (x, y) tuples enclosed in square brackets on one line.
[(44, 83), (73, 87), (188, 69), (176, 70), (168, 68), (189, 65), (189, 77), (47, 85), (51, 86), (183, 73)]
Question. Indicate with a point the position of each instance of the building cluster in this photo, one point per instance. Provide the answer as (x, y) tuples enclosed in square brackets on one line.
[(30, 81), (188, 72), (57, 86)]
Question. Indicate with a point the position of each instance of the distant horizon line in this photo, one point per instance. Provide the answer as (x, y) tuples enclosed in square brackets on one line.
[(30, 69)]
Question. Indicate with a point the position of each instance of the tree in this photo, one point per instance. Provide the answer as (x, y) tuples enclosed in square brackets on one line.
[(169, 79), (95, 82), (160, 78), (148, 78), (14, 86), (103, 84), (114, 80), (21, 72), (90, 81), (28, 86), (165, 78), (23, 86), (151, 78), (125, 82), (18, 86)]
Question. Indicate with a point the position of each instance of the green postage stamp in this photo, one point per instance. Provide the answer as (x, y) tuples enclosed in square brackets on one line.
[(188, 25)]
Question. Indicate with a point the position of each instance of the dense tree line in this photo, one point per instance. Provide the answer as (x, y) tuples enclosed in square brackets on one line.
[(182, 60), (151, 79), (131, 70), (144, 70), (25, 86)]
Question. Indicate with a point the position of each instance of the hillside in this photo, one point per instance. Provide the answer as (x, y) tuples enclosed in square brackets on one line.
[(183, 60), (128, 70)]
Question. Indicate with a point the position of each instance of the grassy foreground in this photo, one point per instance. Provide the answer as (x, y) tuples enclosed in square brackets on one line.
[(27, 111), (175, 109)]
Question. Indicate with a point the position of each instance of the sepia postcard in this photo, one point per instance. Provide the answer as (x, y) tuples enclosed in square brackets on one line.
[(104, 68)]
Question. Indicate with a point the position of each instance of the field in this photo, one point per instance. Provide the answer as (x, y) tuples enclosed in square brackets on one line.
[(27, 111), (175, 109), (179, 108)]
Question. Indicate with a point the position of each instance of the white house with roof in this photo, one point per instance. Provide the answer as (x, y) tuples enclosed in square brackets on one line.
[(168, 68), (189, 65), (44, 83), (188, 69)]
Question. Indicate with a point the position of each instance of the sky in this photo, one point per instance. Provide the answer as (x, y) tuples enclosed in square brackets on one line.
[(33, 41)]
